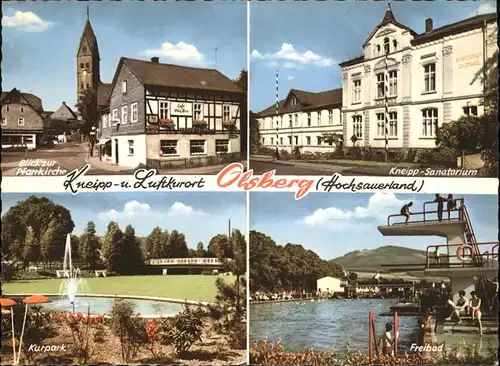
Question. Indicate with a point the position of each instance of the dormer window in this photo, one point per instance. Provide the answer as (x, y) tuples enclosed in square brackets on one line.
[(386, 45), (294, 101)]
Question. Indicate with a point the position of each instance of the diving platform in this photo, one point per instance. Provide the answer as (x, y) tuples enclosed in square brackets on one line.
[(462, 259)]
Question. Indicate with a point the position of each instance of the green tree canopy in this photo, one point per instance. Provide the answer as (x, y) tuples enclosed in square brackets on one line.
[(49, 223), (286, 268)]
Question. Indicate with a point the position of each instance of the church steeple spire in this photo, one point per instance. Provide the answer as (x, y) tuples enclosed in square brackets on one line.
[(388, 16), (87, 59)]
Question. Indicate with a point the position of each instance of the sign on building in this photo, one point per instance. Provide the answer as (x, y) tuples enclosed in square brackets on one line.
[(181, 109)]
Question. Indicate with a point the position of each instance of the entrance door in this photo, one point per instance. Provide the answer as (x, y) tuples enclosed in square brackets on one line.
[(116, 151)]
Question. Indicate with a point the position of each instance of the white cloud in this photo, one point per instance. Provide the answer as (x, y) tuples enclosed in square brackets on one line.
[(130, 210), (289, 65), (179, 208), (26, 21), (180, 52), (256, 54), (290, 77), (485, 8), (290, 56), (379, 206)]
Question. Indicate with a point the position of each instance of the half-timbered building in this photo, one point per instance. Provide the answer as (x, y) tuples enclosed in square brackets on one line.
[(163, 116), (22, 120)]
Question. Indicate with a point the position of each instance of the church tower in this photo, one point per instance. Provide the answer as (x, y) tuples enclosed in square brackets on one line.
[(87, 60)]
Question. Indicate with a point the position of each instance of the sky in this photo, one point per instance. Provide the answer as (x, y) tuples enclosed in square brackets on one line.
[(199, 216), (308, 40), (335, 224), (40, 40)]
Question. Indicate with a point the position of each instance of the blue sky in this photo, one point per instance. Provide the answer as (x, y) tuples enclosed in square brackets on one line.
[(308, 39), (199, 216), (335, 224), (40, 40)]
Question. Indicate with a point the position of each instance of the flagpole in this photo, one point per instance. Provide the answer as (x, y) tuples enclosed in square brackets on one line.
[(277, 114)]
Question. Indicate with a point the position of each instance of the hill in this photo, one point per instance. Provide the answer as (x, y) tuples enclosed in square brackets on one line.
[(372, 260)]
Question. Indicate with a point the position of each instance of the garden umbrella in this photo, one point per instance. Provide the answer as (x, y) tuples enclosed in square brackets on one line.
[(34, 299), (8, 303)]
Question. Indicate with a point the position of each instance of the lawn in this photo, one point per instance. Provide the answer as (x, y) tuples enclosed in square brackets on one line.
[(190, 287)]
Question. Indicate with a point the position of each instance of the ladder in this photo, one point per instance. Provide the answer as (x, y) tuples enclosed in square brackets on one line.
[(477, 257)]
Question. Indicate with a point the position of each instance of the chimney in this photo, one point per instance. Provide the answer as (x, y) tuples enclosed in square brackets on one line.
[(428, 25), (155, 60), (64, 103)]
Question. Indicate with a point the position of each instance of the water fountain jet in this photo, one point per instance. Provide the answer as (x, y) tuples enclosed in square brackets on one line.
[(71, 281)]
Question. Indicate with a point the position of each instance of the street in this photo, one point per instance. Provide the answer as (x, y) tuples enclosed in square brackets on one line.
[(66, 156), (260, 167)]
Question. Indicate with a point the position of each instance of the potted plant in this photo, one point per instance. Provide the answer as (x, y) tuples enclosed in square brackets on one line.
[(229, 124), (167, 123)]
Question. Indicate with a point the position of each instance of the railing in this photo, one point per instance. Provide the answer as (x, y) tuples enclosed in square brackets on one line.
[(153, 129), (193, 162), (455, 214), (183, 261), (467, 255)]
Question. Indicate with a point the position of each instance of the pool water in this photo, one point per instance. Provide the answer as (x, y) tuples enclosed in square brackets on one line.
[(333, 324)]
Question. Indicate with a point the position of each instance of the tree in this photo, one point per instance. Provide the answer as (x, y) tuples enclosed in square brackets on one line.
[(156, 243), (200, 250), (229, 311), (46, 239), (113, 248), (219, 246), (354, 139), (335, 139), (89, 245), (254, 134), (36, 213), (289, 267), (31, 248), (242, 82), (132, 255), (177, 246), (87, 106)]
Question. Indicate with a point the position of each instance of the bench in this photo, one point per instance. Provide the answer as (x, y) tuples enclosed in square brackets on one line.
[(102, 272), (62, 273)]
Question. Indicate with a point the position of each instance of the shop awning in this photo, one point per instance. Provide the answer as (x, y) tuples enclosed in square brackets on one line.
[(102, 141)]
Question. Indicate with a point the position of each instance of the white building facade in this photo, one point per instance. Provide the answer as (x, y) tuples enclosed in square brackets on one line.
[(302, 120), (433, 78), (329, 285)]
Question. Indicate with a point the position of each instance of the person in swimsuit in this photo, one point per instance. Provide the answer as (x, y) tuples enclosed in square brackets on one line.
[(440, 201), (405, 211), (460, 308), (475, 307), (451, 204), (385, 341)]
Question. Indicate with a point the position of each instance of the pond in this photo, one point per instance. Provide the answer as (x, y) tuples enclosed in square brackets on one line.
[(102, 305)]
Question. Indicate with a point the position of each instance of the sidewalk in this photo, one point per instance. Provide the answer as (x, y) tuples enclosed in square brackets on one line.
[(99, 165), (212, 169), (355, 167)]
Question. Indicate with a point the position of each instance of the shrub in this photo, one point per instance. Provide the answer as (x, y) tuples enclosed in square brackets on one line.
[(128, 327), (442, 156), (182, 330)]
